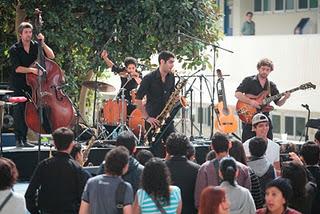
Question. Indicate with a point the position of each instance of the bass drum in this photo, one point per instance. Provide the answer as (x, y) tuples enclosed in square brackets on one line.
[(112, 112), (137, 123)]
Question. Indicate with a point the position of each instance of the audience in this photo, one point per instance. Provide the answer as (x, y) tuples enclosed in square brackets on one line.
[(156, 193), (310, 152), (260, 125), (209, 171), (143, 156), (259, 163), (317, 137), (211, 155), (57, 183), (103, 193), (10, 201), (240, 197), (76, 153), (303, 191), (191, 153), (183, 171), (237, 152), (134, 172), (278, 193), (213, 200)]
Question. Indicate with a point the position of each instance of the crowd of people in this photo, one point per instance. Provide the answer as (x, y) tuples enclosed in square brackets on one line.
[(225, 183), (238, 177)]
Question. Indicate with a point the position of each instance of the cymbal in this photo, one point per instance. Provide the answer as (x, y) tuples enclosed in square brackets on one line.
[(100, 86), (3, 91)]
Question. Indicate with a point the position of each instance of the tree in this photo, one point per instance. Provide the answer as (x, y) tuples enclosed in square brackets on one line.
[(78, 30)]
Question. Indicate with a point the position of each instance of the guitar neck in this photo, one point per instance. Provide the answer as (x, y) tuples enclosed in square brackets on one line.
[(268, 100)]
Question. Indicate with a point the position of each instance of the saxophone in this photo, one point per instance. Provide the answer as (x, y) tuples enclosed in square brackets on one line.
[(165, 113)]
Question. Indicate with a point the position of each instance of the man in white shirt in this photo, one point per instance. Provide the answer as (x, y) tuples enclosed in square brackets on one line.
[(260, 125)]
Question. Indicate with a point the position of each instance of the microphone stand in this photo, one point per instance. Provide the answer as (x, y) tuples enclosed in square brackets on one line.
[(215, 47), (306, 106)]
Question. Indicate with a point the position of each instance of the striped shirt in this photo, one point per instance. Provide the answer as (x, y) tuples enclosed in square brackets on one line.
[(148, 206)]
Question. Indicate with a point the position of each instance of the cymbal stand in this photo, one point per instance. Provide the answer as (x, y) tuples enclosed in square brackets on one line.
[(95, 122), (122, 125)]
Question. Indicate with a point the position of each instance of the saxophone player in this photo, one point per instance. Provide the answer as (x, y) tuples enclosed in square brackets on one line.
[(157, 86)]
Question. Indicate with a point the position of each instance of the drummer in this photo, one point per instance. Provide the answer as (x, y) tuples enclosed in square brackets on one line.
[(129, 72)]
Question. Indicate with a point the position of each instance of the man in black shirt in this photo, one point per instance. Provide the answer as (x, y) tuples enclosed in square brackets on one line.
[(254, 85), (22, 55), (183, 171), (157, 86), (130, 78), (57, 183)]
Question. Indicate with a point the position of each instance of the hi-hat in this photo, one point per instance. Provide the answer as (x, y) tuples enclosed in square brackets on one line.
[(100, 86), (3, 91)]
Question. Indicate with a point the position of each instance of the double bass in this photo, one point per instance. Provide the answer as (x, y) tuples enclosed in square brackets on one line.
[(48, 105)]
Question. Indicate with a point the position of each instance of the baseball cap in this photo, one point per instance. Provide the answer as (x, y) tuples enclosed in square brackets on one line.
[(259, 118)]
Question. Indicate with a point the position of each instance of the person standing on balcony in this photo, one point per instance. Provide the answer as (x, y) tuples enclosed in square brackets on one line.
[(248, 27)]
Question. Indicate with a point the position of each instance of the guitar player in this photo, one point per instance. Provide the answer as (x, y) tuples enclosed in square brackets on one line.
[(253, 86)]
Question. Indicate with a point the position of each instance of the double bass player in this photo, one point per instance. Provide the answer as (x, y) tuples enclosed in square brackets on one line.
[(22, 55)]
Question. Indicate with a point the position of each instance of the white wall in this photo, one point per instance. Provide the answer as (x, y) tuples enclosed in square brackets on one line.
[(283, 23)]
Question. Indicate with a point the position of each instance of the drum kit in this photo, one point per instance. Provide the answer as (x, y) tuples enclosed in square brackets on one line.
[(113, 117)]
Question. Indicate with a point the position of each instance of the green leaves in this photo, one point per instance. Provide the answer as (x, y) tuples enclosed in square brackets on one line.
[(77, 30)]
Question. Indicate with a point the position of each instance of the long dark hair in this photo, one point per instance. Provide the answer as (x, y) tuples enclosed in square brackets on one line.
[(297, 175), (228, 168), (156, 180)]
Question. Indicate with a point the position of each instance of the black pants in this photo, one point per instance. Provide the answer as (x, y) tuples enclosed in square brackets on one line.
[(247, 132), (158, 148), (20, 127)]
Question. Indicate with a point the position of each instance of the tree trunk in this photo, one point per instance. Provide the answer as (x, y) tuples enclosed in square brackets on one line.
[(20, 17), (83, 94)]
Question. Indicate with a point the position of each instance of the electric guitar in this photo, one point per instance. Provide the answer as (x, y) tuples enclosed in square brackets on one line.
[(246, 111), (225, 121)]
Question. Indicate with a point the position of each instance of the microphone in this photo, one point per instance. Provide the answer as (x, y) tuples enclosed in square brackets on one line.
[(306, 106), (179, 39)]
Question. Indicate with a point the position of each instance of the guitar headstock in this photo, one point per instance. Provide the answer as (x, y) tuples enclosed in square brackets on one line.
[(307, 86)]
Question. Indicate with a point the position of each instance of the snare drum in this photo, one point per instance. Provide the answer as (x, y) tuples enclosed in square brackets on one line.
[(112, 112), (136, 123)]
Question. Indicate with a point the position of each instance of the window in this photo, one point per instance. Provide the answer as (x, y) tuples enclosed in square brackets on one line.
[(300, 124), (257, 5), (266, 5), (289, 4), (200, 115), (262, 5), (302, 4), (276, 123), (288, 125), (313, 3), (279, 5)]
